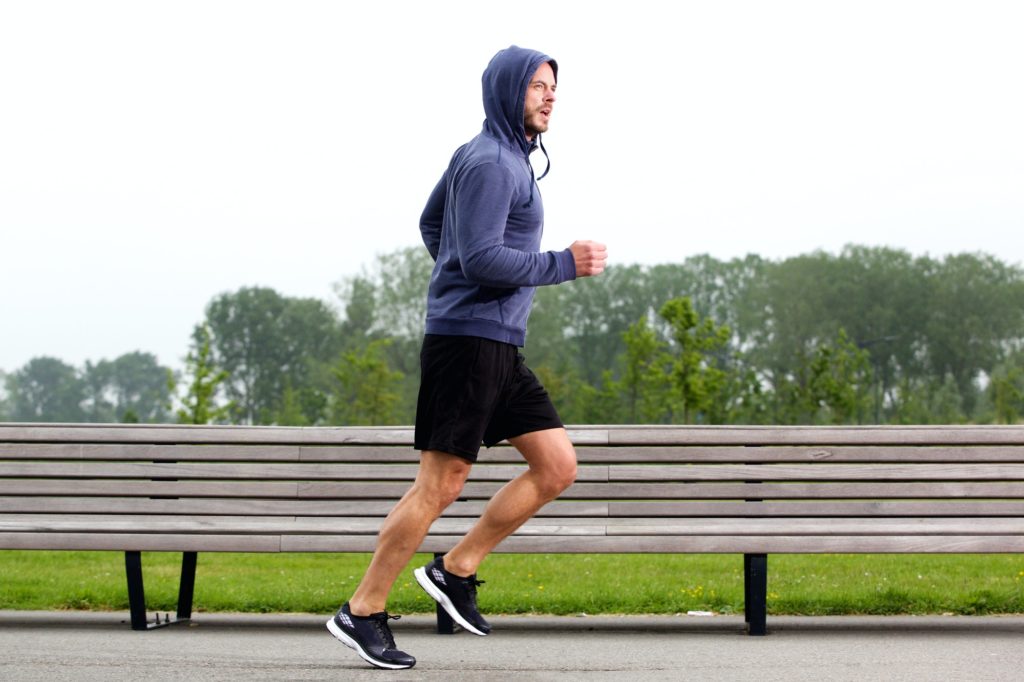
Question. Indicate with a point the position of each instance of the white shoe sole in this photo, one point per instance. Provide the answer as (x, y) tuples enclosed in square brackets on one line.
[(352, 644), (441, 598)]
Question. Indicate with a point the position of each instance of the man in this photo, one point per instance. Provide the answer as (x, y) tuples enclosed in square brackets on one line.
[(482, 225)]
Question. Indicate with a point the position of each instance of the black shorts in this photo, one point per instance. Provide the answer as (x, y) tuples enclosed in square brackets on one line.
[(474, 391)]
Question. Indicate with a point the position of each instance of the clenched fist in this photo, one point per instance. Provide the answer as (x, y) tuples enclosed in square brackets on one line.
[(590, 257)]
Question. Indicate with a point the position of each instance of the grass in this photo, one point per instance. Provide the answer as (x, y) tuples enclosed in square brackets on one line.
[(549, 584)]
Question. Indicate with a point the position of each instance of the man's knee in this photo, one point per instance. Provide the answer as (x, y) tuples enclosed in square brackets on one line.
[(565, 474), (558, 471), (441, 480)]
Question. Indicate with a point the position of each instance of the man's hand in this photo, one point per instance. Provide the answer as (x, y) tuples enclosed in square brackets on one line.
[(590, 258)]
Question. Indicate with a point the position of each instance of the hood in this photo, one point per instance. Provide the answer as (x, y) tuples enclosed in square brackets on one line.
[(504, 85)]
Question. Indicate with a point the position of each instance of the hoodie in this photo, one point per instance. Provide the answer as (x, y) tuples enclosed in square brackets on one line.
[(483, 221)]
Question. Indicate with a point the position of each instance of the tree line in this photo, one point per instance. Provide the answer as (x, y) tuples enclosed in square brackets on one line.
[(871, 335)]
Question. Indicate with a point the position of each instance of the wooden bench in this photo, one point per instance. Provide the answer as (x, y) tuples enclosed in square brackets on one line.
[(745, 490)]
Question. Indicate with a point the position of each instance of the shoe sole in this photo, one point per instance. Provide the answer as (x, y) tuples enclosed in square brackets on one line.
[(353, 644), (441, 598)]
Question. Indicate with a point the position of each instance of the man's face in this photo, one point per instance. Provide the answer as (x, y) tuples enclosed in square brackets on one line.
[(540, 99)]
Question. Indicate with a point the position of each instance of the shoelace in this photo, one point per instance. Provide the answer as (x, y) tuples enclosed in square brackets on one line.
[(471, 584), (384, 630)]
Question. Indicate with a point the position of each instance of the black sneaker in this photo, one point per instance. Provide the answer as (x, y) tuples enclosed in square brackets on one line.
[(456, 594), (371, 637)]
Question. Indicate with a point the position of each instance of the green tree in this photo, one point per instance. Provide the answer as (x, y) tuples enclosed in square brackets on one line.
[(366, 389), (4, 403), (645, 383), (744, 399), (266, 342), (1006, 389), (838, 385), (96, 381), (977, 310), (697, 379), (388, 300), (929, 400), (358, 297), (134, 384), (46, 390), (205, 381)]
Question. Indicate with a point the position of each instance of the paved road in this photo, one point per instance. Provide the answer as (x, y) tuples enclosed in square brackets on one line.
[(100, 646)]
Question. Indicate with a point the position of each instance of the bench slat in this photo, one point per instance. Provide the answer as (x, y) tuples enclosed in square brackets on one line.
[(562, 527), (256, 471), (483, 490), (809, 544), (818, 544), (827, 544), (505, 454), (793, 491), (144, 542), (820, 472), (327, 507), (590, 473), (274, 507), (76, 488), (583, 435), (741, 454), (816, 435), (826, 508)]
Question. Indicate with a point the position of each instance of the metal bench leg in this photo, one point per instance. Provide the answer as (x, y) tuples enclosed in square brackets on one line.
[(137, 593), (445, 624), (746, 588), (187, 586), (755, 589)]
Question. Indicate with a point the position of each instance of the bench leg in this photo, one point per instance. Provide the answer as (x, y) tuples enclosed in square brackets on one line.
[(445, 624), (186, 587), (755, 593), (137, 593)]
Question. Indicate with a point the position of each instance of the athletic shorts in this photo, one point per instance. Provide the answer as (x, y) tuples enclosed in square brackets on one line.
[(474, 391)]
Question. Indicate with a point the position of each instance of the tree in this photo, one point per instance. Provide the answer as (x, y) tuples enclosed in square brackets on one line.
[(697, 380), (4, 404), (133, 386), (977, 311), (46, 390), (388, 300), (838, 385), (366, 391), (1006, 389), (645, 383), (200, 404), (96, 381), (267, 342), (929, 400)]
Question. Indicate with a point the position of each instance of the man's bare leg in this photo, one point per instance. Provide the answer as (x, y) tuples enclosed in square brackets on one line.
[(552, 461), (438, 483)]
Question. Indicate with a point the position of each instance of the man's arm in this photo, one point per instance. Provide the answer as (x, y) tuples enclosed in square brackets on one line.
[(433, 216), (484, 198)]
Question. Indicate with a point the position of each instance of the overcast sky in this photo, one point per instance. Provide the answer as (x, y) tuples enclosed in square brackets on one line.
[(156, 154)]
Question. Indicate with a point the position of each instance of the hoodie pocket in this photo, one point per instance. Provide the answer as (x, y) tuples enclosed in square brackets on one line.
[(490, 304)]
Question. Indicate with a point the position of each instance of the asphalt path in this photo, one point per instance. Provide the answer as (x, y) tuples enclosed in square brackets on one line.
[(83, 646)]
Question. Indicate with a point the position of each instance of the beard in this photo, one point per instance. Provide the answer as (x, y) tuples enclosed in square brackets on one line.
[(535, 124)]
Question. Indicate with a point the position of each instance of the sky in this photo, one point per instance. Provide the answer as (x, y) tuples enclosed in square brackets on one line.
[(156, 154)]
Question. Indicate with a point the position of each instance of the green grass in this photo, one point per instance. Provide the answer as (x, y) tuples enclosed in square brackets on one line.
[(550, 584)]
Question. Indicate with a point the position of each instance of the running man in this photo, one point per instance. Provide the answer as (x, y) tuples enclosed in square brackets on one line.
[(482, 225)]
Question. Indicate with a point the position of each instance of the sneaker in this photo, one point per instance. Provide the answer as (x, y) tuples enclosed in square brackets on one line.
[(371, 637), (456, 594)]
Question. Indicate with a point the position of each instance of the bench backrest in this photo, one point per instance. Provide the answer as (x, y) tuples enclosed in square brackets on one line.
[(639, 488)]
